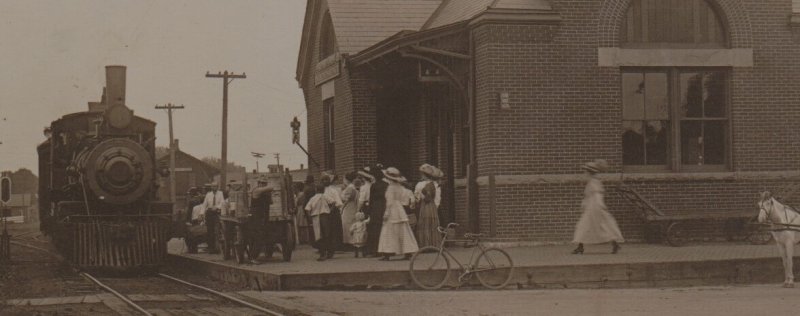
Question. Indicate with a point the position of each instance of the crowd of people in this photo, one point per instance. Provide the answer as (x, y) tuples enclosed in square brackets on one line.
[(377, 212), (374, 212), (204, 208)]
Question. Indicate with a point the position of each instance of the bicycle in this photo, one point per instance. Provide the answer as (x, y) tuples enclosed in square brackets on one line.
[(430, 266)]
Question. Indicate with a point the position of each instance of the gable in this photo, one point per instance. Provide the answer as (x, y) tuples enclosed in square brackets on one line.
[(359, 24)]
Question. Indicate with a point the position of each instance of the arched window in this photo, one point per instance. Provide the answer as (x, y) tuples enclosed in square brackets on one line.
[(327, 40), (672, 23), (674, 118)]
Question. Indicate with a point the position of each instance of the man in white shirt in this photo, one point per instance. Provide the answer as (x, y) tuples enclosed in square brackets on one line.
[(214, 204)]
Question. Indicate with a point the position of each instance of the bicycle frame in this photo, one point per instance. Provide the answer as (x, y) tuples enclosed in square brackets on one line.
[(467, 269)]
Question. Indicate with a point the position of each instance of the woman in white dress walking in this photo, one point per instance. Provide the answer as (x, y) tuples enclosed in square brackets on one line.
[(596, 225), (396, 235)]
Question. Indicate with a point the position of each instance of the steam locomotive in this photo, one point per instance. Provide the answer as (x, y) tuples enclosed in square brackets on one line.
[(98, 183)]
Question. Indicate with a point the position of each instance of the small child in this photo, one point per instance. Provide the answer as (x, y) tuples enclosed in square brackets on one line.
[(359, 232)]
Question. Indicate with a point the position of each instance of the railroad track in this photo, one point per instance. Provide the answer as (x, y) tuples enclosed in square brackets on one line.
[(221, 304), (128, 296)]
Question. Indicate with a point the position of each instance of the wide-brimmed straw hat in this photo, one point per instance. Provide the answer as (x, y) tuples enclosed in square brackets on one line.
[(327, 174), (596, 166), (393, 174), (366, 173), (431, 171)]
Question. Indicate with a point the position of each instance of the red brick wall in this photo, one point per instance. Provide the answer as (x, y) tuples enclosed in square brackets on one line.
[(355, 144), (565, 110)]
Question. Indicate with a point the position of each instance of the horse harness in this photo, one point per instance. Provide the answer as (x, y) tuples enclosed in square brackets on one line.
[(786, 226)]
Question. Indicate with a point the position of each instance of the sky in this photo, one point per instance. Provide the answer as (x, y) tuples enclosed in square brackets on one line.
[(53, 55)]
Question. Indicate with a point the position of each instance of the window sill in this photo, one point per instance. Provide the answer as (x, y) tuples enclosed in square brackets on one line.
[(646, 176), (629, 57), (795, 19)]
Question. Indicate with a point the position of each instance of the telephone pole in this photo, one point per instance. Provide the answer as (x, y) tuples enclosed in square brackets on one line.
[(227, 78), (169, 107), (257, 156), (278, 158)]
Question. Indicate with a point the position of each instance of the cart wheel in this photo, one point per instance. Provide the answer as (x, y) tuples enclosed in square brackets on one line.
[(238, 253), (287, 251), (676, 235), (759, 235), (222, 242), (269, 250), (652, 233), (191, 244), (733, 229), (252, 252)]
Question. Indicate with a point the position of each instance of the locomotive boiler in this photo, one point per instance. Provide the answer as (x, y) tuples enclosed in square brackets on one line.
[(98, 183)]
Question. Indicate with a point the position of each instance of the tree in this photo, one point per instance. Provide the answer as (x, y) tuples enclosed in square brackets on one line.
[(24, 181), (161, 151)]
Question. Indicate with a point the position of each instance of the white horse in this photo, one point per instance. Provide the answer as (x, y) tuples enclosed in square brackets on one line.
[(786, 236)]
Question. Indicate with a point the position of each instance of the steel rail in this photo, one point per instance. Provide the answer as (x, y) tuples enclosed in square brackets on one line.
[(117, 294), (223, 295), (49, 252), (142, 310)]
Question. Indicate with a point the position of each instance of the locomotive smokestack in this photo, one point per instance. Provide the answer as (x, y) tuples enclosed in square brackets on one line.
[(115, 85)]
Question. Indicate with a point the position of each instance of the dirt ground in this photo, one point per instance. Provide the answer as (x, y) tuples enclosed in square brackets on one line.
[(35, 274)]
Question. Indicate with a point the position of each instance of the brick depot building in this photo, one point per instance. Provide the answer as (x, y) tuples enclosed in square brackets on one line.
[(694, 103)]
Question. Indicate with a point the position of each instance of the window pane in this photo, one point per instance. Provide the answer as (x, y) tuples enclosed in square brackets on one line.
[(657, 143), (714, 142), (632, 96), (714, 94), (632, 143), (691, 94), (691, 143), (656, 96)]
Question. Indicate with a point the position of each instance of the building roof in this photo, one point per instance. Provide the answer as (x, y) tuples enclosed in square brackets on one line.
[(454, 11), (359, 24), (209, 169)]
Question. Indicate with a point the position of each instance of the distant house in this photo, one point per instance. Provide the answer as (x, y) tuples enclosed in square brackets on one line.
[(189, 172), (298, 175), (23, 207)]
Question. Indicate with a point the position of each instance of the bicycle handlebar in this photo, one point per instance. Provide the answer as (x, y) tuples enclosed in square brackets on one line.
[(444, 230)]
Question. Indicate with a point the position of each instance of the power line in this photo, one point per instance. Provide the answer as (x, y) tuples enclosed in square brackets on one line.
[(169, 107), (227, 78)]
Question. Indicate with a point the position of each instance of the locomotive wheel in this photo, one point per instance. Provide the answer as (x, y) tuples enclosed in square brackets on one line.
[(676, 235)]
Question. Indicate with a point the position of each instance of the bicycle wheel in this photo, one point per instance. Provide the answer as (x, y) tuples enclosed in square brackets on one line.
[(429, 268), (494, 268)]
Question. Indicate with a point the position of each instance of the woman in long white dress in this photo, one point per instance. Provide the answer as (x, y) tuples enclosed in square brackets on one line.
[(596, 225), (396, 235)]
